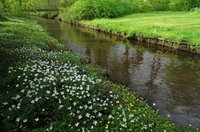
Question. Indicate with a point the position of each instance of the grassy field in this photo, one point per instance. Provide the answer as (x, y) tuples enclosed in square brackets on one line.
[(46, 88), (180, 26)]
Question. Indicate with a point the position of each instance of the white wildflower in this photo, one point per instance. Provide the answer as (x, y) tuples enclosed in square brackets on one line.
[(36, 119), (48, 92), (5, 103), (77, 124), (79, 117), (22, 91), (81, 107), (25, 120), (69, 108), (99, 114), (61, 106), (12, 106), (36, 99), (95, 123), (87, 115), (110, 116), (17, 119)]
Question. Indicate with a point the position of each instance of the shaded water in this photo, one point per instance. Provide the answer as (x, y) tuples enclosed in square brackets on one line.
[(170, 83)]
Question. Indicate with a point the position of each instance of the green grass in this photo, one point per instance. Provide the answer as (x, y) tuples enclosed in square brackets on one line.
[(180, 26), (46, 88)]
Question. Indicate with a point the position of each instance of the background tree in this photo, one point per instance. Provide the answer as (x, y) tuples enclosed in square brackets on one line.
[(184, 4), (160, 5)]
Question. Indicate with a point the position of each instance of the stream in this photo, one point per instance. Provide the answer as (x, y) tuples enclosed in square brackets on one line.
[(169, 83)]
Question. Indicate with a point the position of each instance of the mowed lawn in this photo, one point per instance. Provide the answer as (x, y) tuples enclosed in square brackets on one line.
[(180, 26)]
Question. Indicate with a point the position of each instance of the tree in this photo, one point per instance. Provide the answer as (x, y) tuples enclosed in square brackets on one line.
[(184, 4), (193, 3), (159, 5), (20, 3)]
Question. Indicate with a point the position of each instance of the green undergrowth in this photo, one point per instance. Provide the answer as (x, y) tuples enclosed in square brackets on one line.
[(179, 26), (90, 9), (47, 88), (44, 14), (48, 15)]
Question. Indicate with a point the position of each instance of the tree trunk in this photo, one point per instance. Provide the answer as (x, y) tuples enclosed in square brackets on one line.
[(49, 4), (20, 3), (4, 4)]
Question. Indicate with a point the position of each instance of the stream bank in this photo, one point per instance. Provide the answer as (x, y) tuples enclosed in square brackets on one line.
[(164, 43), (172, 29)]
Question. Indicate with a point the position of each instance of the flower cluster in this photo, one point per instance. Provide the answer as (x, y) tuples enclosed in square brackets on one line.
[(49, 90), (67, 87)]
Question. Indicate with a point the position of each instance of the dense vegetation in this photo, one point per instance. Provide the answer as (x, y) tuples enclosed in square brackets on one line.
[(73, 10), (167, 25), (90, 9), (44, 88)]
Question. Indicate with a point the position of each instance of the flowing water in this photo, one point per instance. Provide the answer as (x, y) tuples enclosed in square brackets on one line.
[(168, 83)]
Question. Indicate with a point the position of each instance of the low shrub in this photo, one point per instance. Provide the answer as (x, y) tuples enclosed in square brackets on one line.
[(90, 9), (66, 3), (196, 9), (183, 5), (1, 11), (2, 18), (48, 15)]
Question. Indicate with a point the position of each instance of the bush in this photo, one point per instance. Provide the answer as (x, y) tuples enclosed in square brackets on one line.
[(184, 5), (144, 6), (48, 15), (90, 9), (159, 5), (9, 8), (178, 5), (1, 17), (1, 10), (196, 9), (66, 3)]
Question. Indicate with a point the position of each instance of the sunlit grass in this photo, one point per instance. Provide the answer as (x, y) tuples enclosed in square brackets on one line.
[(181, 26)]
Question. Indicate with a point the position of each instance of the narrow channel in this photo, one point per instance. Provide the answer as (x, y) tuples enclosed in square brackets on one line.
[(168, 83)]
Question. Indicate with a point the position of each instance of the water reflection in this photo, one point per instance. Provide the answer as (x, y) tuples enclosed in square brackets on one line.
[(171, 83)]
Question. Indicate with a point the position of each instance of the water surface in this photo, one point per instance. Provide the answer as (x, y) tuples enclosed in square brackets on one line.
[(168, 83)]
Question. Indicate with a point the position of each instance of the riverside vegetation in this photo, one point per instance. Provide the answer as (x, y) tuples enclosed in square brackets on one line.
[(171, 25), (47, 88), (179, 26)]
